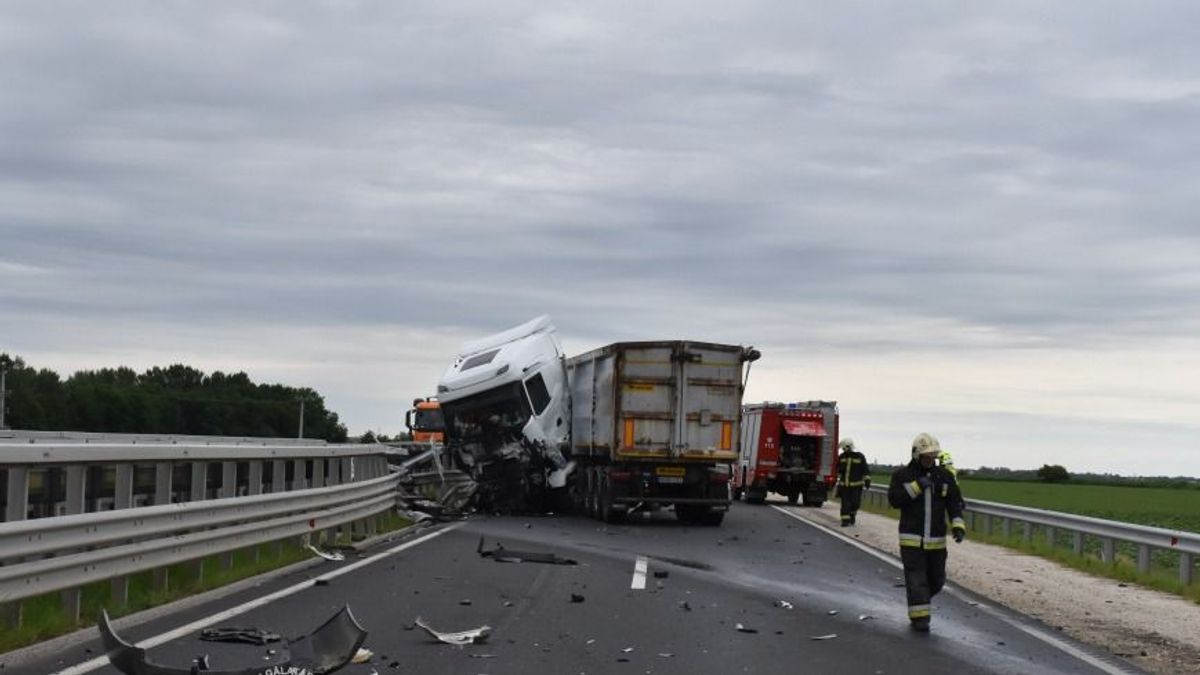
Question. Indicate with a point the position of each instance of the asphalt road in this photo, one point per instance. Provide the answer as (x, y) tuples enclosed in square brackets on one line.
[(699, 584)]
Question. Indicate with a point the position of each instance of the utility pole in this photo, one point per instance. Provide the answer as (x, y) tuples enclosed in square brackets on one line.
[(300, 433)]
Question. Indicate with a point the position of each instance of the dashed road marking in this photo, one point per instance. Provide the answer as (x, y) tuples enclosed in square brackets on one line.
[(639, 574)]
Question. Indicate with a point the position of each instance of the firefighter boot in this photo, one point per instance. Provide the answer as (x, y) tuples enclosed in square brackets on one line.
[(920, 625)]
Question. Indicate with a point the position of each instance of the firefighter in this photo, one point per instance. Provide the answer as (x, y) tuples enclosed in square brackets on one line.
[(852, 478), (927, 496)]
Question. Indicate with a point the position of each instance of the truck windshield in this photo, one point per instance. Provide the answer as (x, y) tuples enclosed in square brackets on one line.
[(492, 418), (428, 420)]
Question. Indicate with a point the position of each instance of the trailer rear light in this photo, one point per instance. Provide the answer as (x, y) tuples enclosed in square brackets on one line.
[(726, 435)]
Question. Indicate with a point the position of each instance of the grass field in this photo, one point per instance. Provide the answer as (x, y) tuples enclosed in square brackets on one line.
[(1177, 509)]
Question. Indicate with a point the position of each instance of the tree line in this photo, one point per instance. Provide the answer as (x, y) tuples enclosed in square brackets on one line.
[(177, 399)]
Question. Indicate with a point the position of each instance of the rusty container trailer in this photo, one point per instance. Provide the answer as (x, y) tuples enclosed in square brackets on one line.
[(656, 424)]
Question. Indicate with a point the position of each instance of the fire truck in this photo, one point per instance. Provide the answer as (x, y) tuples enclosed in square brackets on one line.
[(789, 449)]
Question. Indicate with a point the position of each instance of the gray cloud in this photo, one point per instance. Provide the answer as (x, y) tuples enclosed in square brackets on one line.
[(839, 177)]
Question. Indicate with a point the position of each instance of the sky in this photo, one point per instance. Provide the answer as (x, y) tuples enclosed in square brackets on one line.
[(975, 220)]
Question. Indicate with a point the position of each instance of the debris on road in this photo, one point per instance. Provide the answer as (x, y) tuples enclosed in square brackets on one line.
[(472, 636), (363, 655), (501, 554), (575, 597), (823, 637), (466, 602), (253, 636), (783, 604), (661, 574), (683, 604), (745, 629), (325, 650), (832, 612), (865, 617), (666, 655), (627, 649), (334, 556)]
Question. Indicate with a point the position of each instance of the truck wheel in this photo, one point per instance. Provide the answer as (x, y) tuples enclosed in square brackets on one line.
[(756, 497), (712, 518), (607, 514), (793, 497), (816, 504), (737, 494), (685, 513)]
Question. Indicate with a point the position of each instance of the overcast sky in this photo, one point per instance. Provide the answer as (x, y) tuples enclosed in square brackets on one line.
[(972, 219)]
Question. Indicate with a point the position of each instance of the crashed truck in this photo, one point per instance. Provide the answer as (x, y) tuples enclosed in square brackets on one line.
[(633, 425)]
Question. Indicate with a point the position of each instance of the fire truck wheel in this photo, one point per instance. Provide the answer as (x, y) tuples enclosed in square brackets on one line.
[(793, 497)]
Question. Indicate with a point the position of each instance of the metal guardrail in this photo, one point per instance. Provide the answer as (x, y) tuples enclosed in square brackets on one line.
[(982, 514), (208, 498)]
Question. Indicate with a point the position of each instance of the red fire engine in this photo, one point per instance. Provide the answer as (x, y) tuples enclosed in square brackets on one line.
[(789, 449)]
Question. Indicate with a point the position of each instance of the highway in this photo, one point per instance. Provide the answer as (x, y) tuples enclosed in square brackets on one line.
[(651, 596)]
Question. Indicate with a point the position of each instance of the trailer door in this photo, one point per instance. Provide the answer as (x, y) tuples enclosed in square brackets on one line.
[(647, 400), (709, 404)]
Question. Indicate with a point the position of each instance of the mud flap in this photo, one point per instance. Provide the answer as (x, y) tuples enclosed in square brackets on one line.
[(325, 650)]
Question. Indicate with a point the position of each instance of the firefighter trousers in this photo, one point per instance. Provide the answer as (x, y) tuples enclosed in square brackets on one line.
[(851, 501), (924, 576)]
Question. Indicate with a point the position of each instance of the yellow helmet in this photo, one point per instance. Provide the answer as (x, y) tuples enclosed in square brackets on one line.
[(925, 444)]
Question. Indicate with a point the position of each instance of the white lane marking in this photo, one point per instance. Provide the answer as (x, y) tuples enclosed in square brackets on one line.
[(1049, 639), (101, 661), (639, 574)]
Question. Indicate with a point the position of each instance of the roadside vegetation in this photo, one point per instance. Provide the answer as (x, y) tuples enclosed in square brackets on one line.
[(1176, 507), (43, 617)]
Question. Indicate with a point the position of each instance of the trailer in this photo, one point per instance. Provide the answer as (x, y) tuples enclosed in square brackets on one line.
[(789, 449), (656, 424)]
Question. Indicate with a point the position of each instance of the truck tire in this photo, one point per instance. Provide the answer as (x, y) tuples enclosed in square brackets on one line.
[(756, 497), (712, 518), (793, 497), (607, 513), (686, 513)]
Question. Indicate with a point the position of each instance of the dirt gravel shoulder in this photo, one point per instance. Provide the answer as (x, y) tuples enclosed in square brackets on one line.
[(1154, 630)]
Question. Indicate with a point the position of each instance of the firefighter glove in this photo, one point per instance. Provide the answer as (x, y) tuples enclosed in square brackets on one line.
[(925, 482), (959, 534)]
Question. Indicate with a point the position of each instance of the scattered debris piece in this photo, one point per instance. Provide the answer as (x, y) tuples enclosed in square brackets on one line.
[(661, 574), (363, 655), (575, 597), (832, 612), (865, 617), (501, 554), (666, 655), (1122, 585), (784, 604), (335, 556), (321, 581), (472, 636), (508, 603), (482, 656), (745, 629), (627, 649), (823, 637), (591, 641), (254, 636), (683, 604), (465, 602)]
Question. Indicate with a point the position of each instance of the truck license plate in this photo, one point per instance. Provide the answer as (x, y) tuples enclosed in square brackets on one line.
[(670, 471), (671, 479)]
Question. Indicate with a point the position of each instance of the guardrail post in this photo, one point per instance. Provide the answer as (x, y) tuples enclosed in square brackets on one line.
[(122, 499), (72, 598), (278, 484), (320, 480), (1186, 567), (1006, 527), (254, 486), (1143, 558), (987, 524), (1050, 534), (228, 489), (16, 509), (1026, 532), (1108, 550), (1077, 542), (198, 491), (162, 495)]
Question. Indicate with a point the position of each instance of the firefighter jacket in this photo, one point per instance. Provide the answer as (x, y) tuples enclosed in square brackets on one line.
[(852, 469), (924, 511)]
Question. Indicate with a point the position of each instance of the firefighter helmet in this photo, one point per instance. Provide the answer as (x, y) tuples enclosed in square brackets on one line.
[(925, 444), (847, 445)]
